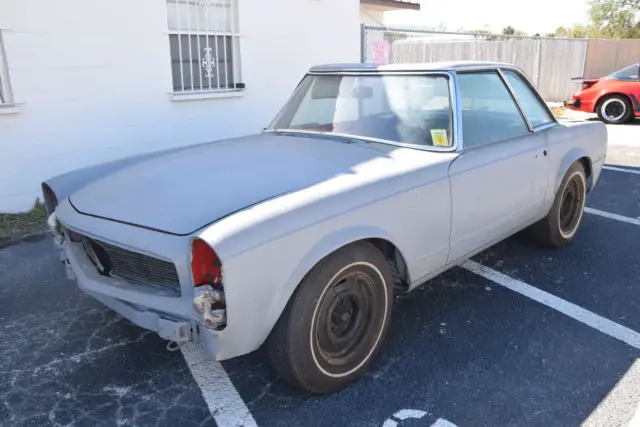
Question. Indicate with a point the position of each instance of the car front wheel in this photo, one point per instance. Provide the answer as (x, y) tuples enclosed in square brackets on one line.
[(563, 220), (615, 109), (335, 322)]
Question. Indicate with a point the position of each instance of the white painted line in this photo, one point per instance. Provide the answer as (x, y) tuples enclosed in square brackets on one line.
[(635, 421), (224, 402), (621, 406), (402, 415), (613, 168), (610, 215), (578, 313), (440, 422), (409, 413)]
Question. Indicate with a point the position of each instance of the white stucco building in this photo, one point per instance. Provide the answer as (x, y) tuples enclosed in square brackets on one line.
[(84, 82), (372, 12)]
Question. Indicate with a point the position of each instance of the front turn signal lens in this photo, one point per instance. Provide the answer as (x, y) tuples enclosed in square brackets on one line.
[(206, 268)]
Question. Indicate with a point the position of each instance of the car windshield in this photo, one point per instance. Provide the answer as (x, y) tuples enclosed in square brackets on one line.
[(409, 109), (630, 73)]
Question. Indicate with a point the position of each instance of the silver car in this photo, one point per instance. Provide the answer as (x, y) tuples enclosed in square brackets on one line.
[(371, 180)]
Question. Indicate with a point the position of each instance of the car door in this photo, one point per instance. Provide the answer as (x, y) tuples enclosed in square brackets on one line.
[(499, 182)]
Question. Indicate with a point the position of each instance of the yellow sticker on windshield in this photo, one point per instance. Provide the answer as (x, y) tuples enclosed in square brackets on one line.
[(439, 137)]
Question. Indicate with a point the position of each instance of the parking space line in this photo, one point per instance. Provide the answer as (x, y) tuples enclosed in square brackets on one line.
[(610, 215), (613, 168), (621, 406), (222, 398), (635, 421), (576, 312)]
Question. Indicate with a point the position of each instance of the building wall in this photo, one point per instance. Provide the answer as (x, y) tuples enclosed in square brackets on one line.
[(94, 81), (371, 16)]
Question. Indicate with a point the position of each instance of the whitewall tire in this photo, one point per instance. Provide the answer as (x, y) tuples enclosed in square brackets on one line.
[(335, 322)]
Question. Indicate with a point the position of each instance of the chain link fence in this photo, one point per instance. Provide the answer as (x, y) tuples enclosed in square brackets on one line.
[(549, 62)]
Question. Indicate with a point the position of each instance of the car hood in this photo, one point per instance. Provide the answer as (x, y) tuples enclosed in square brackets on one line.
[(182, 191)]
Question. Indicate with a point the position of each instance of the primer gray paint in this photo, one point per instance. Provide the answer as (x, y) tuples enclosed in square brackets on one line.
[(272, 206)]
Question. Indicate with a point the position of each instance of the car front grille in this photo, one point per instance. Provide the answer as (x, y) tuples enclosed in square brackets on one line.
[(133, 267)]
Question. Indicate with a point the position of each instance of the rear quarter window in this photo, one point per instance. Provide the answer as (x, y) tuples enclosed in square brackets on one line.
[(535, 109)]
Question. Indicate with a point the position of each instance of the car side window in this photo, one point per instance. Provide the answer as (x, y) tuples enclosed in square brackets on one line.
[(628, 74), (489, 112), (535, 110)]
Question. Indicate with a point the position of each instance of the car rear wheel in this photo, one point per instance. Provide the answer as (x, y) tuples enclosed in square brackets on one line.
[(563, 220), (335, 322), (615, 109)]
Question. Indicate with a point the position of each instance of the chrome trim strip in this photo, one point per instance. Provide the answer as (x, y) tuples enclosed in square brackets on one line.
[(456, 107), (364, 139), (544, 126)]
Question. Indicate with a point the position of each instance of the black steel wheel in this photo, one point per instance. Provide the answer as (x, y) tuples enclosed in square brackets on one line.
[(572, 205), (335, 322), (347, 323), (561, 224)]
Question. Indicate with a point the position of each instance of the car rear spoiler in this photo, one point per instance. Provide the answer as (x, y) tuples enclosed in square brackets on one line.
[(586, 83), (583, 80)]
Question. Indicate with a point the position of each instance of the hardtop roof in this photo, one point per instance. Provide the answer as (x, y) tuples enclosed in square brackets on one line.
[(427, 66)]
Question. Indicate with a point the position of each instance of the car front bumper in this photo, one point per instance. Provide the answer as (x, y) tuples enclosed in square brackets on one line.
[(573, 103), (173, 318)]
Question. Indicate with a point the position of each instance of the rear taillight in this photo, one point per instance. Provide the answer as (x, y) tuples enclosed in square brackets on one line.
[(205, 265)]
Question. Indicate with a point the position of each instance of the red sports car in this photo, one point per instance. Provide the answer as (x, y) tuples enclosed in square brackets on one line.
[(615, 98)]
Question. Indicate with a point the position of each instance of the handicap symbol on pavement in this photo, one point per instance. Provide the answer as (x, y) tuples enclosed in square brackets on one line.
[(396, 419)]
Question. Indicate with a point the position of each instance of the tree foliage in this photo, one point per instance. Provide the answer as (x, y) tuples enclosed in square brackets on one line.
[(577, 31), (608, 19), (511, 31), (615, 18)]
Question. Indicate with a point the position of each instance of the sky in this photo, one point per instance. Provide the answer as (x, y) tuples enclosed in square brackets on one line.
[(538, 16)]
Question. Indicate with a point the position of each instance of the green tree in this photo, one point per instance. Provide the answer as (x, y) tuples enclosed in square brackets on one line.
[(511, 31), (577, 31), (608, 19), (484, 34), (615, 19)]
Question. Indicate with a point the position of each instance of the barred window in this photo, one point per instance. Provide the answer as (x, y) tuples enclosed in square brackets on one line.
[(204, 44), (6, 96)]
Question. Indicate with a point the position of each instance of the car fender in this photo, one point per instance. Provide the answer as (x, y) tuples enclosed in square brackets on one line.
[(570, 158), (615, 90), (314, 255)]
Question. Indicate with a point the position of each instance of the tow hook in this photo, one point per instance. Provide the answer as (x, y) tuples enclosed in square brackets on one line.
[(210, 303)]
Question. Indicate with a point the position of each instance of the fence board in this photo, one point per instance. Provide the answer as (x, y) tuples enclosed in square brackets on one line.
[(606, 56), (560, 60), (549, 63)]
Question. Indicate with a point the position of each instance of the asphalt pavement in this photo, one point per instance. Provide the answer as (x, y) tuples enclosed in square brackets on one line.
[(557, 346)]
